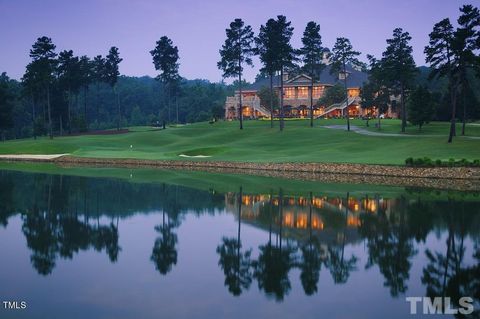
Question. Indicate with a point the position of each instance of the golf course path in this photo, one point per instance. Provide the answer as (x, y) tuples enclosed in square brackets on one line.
[(32, 156), (363, 131)]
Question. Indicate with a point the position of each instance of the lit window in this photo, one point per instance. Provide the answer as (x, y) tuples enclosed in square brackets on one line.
[(289, 93), (302, 92), (317, 92)]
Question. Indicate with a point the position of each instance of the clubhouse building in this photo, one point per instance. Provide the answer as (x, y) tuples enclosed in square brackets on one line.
[(297, 94)]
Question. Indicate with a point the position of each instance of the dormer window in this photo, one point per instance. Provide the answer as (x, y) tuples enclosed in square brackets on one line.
[(341, 75)]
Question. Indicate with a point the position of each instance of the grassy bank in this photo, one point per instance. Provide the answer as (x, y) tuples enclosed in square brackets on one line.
[(222, 183), (223, 141)]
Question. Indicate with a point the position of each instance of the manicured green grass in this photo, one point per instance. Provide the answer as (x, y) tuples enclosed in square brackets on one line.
[(223, 141), (434, 128)]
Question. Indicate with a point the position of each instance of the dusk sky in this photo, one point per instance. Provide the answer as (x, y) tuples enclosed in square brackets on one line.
[(90, 27)]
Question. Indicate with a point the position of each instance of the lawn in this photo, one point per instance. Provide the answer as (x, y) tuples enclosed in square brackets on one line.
[(223, 141)]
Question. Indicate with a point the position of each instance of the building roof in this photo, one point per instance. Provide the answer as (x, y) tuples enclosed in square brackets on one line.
[(355, 79)]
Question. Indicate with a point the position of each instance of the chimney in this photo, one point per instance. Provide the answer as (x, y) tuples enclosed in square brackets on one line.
[(285, 76)]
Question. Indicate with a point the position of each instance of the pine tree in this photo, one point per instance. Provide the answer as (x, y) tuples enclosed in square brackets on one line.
[(165, 59), (111, 76), (343, 55), (399, 68), (235, 52), (312, 57)]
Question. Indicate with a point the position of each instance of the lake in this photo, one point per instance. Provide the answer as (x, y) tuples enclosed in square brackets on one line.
[(126, 243)]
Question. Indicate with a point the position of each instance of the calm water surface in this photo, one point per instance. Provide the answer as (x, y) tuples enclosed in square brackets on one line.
[(81, 247)]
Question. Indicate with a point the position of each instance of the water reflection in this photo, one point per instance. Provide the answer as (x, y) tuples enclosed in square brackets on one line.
[(309, 233)]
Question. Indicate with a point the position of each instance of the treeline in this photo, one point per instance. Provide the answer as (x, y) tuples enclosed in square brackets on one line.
[(140, 100), (61, 93)]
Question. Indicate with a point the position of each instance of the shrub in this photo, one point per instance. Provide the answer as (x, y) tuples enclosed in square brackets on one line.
[(427, 162)]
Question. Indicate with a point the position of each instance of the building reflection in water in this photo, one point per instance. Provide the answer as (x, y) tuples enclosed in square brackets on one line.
[(63, 215)]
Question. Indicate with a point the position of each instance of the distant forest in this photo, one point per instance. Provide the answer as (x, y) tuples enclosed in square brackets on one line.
[(142, 100)]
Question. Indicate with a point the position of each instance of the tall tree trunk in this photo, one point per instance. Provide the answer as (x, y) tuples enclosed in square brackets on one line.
[(97, 107), (176, 104), (464, 112), (50, 128), (69, 111), (404, 111), (61, 125), (118, 106), (271, 100), (240, 107), (453, 119), (378, 116), (281, 99), (346, 94), (34, 117), (311, 101), (85, 90)]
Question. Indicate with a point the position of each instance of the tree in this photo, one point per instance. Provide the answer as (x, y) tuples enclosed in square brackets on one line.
[(85, 68), (6, 105), (312, 56), (266, 49), (267, 99), (467, 43), (335, 94), (374, 93), (44, 58), (421, 107), (399, 68), (235, 52), (452, 52), (111, 76), (98, 76), (32, 87), (343, 55), (67, 70), (286, 55), (165, 59)]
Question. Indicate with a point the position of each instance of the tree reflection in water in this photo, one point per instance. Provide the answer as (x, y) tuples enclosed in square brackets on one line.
[(274, 262), (53, 233), (339, 266), (60, 218), (311, 262), (164, 253), (446, 274), (236, 265), (390, 246)]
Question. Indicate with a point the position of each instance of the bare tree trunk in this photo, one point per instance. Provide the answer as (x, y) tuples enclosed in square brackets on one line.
[(176, 104), (281, 100), (118, 106), (34, 117), (97, 107), (240, 108), (453, 119), (464, 112), (404, 111), (311, 101), (50, 129), (271, 100), (346, 94), (69, 111), (85, 90)]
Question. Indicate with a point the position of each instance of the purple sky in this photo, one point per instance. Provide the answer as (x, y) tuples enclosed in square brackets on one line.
[(198, 27)]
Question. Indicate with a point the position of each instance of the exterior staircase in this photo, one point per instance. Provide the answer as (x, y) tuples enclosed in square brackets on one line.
[(338, 106)]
